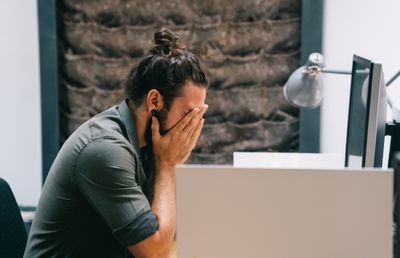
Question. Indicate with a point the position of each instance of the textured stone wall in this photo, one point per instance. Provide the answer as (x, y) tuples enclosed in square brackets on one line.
[(250, 48)]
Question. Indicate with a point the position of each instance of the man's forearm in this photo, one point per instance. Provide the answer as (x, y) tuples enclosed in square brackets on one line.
[(163, 205)]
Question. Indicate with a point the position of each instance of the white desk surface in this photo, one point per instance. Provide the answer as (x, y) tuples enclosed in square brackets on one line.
[(287, 160)]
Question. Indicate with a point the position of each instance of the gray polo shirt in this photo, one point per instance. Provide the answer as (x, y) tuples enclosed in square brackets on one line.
[(95, 202)]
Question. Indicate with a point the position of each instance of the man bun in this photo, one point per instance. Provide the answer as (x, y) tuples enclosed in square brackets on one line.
[(166, 43), (167, 67)]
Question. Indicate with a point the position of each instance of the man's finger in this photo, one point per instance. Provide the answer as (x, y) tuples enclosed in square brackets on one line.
[(155, 128), (189, 129), (196, 133), (186, 119), (195, 120), (203, 109)]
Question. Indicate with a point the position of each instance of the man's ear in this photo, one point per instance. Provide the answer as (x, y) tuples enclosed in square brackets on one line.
[(154, 100)]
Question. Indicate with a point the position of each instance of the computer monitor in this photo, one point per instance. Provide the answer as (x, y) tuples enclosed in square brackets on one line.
[(367, 115), (281, 213)]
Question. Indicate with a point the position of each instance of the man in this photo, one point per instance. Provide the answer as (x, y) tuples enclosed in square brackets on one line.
[(111, 190)]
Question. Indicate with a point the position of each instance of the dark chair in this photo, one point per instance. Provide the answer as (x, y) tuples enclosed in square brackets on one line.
[(12, 230)]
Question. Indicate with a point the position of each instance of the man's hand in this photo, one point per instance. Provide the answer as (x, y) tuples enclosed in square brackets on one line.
[(169, 149), (174, 147)]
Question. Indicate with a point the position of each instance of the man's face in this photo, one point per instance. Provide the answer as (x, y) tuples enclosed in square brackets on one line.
[(191, 96)]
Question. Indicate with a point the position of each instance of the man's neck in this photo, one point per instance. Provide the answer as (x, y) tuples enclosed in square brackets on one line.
[(139, 116)]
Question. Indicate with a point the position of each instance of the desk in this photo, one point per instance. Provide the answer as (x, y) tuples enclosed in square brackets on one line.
[(287, 160)]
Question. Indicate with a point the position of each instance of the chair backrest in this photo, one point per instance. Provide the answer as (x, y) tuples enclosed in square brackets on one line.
[(12, 231)]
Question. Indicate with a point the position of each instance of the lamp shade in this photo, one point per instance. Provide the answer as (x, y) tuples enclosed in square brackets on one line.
[(304, 88)]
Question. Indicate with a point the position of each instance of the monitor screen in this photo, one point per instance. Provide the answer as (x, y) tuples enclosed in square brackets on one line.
[(367, 115)]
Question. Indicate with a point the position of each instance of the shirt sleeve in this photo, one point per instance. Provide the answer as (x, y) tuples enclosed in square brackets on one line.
[(105, 174)]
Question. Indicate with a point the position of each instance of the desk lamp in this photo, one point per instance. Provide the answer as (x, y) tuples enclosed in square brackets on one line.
[(305, 89), (305, 86)]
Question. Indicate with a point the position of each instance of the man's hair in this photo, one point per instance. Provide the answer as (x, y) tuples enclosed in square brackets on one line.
[(166, 67)]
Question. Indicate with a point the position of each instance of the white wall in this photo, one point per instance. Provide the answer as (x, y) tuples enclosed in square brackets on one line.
[(368, 28), (20, 136)]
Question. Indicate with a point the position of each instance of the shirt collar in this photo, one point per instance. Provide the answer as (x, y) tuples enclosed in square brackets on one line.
[(127, 118)]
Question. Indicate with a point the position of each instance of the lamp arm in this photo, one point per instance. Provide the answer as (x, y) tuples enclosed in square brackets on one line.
[(393, 78), (395, 111), (335, 71), (389, 101), (348, 72)]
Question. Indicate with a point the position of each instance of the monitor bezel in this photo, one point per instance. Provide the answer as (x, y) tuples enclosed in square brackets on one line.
[(369, 158)]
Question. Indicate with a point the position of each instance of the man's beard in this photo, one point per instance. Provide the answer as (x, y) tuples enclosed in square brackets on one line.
[(147, 154), (161, 116)]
